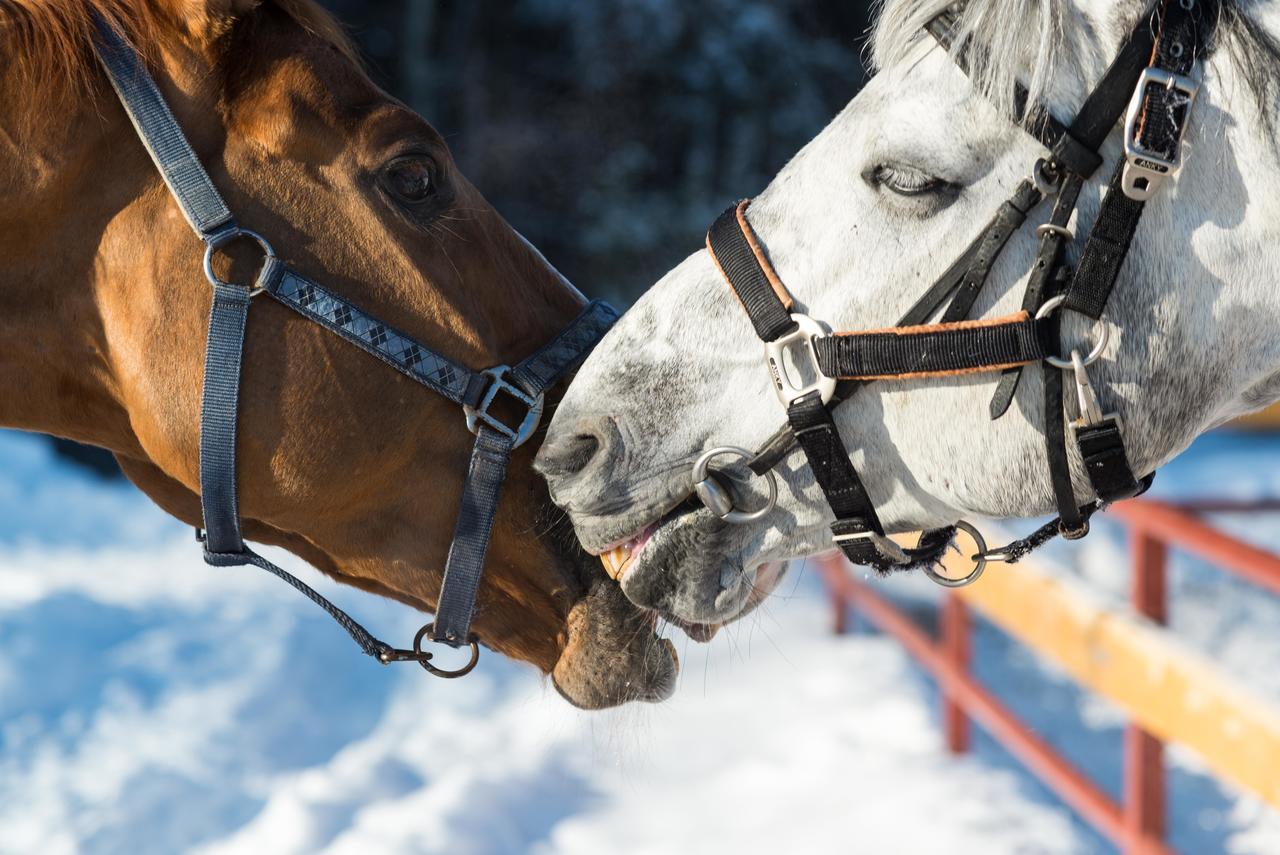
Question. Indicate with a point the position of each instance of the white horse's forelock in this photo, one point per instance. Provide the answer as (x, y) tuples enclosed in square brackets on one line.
[(1010, 37), (1031, 41)]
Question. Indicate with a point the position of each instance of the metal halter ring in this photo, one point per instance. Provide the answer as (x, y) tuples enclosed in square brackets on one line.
[(1040, 175), (424, 659), (717, 498), (979, 560), (1104, 336), (268, 254)]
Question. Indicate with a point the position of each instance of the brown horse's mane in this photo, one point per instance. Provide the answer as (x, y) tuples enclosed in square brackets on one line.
[(49, 43)]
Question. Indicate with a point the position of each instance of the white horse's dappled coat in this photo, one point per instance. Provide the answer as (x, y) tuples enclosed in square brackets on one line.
[(858, 225)]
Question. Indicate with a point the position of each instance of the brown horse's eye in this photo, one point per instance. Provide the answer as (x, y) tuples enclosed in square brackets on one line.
[(410, 180)]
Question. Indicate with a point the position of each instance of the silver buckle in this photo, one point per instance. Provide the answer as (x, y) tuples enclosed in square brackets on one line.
[(790, 389), (480, 413), (1145, 170)]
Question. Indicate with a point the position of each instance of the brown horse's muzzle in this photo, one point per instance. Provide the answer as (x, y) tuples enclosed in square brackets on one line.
[(613, 655)]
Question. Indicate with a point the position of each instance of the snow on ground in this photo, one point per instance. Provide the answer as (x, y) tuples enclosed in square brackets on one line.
[(149, 703)]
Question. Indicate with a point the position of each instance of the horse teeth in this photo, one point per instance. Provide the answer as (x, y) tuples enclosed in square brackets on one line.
[(615, 561)]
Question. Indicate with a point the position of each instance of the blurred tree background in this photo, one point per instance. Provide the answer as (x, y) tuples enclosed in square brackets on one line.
[(611, 132)]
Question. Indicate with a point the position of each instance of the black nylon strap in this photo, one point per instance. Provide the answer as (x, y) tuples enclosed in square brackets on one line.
[(987, 248), (816, 432), (936, 350), (1056, 450), (1105, 460), (1047, 268), (732, 251), (1105, 249), (1184, 35), (1109, 99)]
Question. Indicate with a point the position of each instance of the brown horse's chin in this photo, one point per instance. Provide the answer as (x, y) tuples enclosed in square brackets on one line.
[(613, 655)]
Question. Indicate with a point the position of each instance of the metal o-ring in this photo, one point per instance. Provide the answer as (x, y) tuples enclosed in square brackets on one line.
[(701, 472), (1104, 336), (424, 659), (1040, 175), (1052, 229), (979, 560), (268, 254)]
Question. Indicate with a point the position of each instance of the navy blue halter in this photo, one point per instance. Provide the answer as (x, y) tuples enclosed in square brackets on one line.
[(475, 391)]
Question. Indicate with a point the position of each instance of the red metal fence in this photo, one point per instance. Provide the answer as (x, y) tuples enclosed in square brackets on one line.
[(1137, 823)]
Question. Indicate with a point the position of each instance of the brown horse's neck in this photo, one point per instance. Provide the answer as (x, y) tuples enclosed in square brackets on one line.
[(56, 373), (68, 168)]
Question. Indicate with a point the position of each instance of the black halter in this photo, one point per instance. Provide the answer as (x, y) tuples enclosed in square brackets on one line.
[(1147, 84), (474, 391)]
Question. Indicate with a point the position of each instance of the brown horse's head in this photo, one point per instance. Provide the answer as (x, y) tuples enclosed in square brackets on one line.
[(342, 461)]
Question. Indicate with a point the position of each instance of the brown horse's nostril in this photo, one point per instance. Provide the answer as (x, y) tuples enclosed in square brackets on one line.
[(574, 452)]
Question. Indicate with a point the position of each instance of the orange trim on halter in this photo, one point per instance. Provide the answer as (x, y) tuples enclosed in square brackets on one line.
[(925, 375), (772, 275), (1007, 320), (1155, 52)]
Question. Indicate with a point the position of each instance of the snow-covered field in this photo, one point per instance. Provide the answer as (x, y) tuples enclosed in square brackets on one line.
[(149, 703)]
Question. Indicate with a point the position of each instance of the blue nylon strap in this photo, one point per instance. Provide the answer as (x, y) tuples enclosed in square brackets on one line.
[(553, 360), (471, 532), (489, 457), (159, 131), (219, 416), (209, 216), (415, 360)]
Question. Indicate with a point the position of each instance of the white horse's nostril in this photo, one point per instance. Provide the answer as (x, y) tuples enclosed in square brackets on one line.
[(570, 453)]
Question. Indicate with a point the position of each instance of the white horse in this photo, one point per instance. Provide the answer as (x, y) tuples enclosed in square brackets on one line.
[(860, 222)]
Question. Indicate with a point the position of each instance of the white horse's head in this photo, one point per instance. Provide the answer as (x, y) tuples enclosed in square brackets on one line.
[(858, 225)]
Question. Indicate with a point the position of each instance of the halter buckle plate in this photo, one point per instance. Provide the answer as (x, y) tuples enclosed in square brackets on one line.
[(1145, 170), (791, 389), (519, 434)]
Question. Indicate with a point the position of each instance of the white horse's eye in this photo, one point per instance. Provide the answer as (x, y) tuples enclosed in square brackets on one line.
[(909, 181)]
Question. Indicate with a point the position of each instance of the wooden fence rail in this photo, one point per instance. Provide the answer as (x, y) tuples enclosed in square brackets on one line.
[(1170, 693)]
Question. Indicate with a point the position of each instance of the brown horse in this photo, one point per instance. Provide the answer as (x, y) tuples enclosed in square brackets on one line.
[(342, 461)]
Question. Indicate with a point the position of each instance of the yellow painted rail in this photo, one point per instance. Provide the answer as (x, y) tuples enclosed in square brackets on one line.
[(1172, 692)]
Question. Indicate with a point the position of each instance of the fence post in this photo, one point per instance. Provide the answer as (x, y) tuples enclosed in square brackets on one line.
[(1144, 781), (955, 646), (839, 612)]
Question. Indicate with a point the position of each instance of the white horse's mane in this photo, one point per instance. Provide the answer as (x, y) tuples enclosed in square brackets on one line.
[(1031, 41)]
